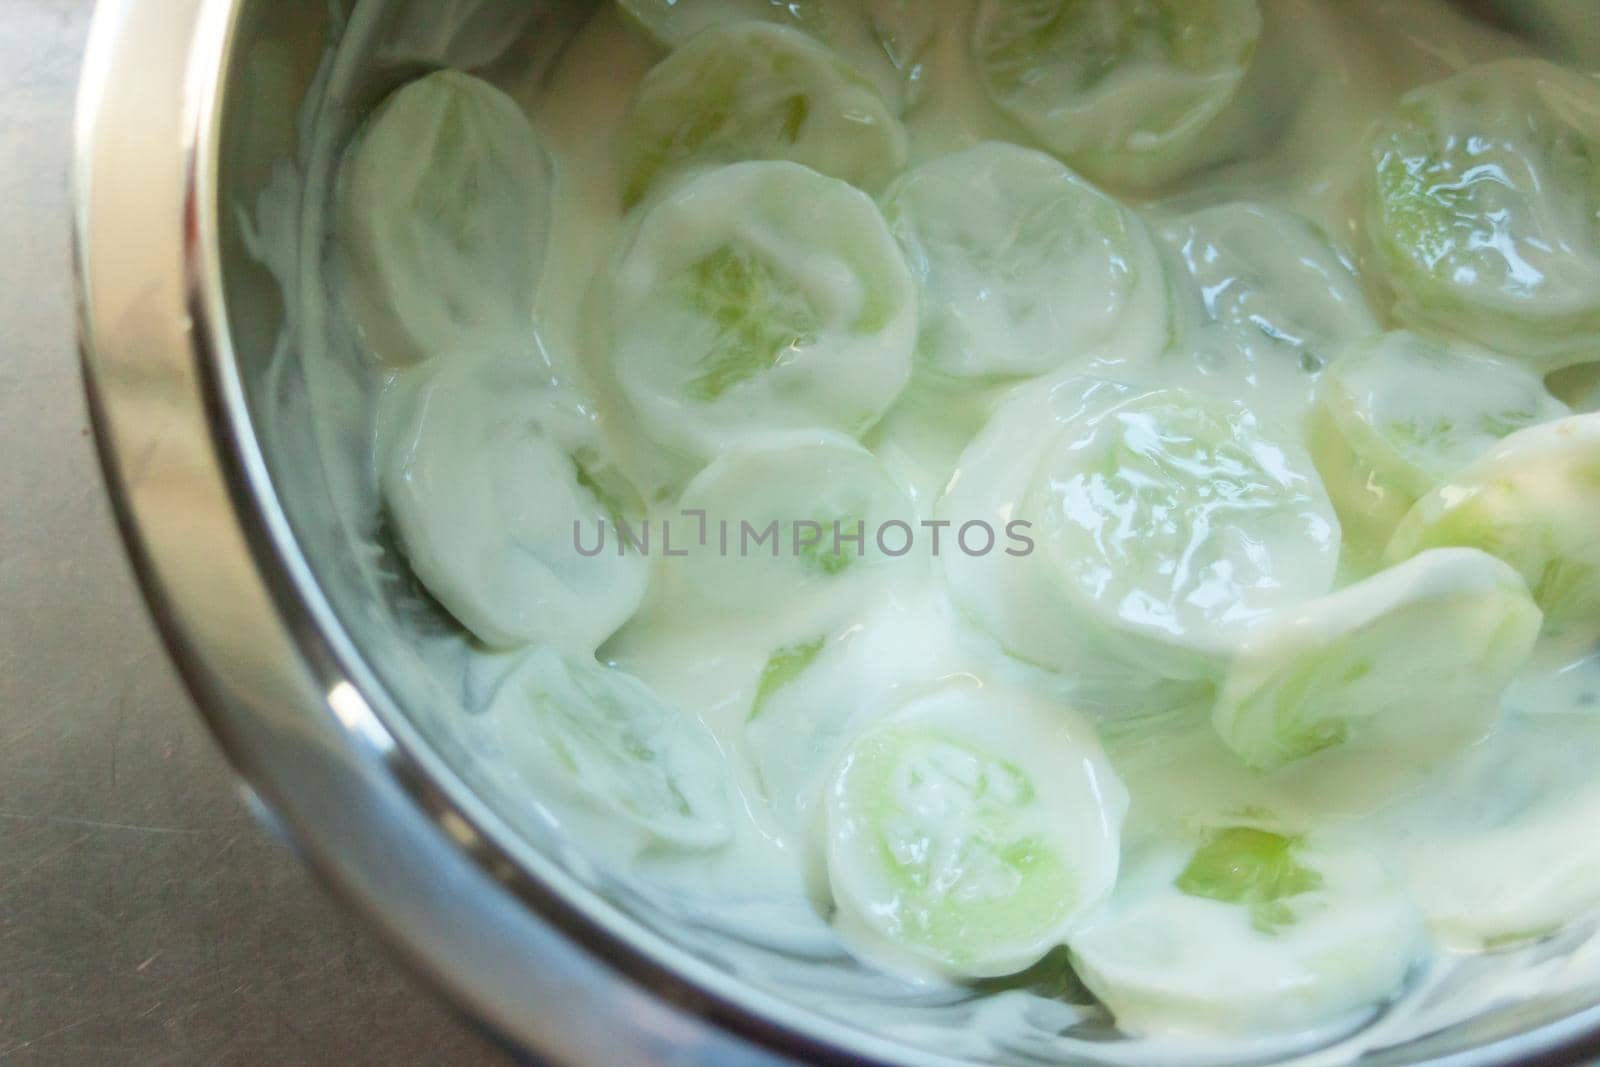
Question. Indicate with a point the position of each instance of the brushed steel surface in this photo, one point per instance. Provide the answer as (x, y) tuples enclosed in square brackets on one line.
[(145, 916)]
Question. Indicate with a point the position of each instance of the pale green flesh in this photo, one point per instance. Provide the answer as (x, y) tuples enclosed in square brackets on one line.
[(1329, 677), (1070, 72), (1010, 879), (1483, 207), (1400, 414), (1255, 869), (784, 667), (754, 91), (1533, 501)]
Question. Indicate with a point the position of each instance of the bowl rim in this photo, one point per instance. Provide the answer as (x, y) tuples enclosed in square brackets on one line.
[(274, 674), (513, 916)]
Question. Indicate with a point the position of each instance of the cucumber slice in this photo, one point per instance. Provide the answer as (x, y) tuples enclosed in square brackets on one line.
[(750, 90), (463, 34), (1165, 521), (1173, 513), (788, 522), (1249, 932), (674, 22), (1412, 660), (1024, 266), (1488, 850), (1556, 24), (1124, 90), (1534, 501), (486, 468), (886, 647), (969, 832), (443, 219), (1398, 415), (1272, 300), (1482, 209), (760, 297), (600, 738), (878, 41)]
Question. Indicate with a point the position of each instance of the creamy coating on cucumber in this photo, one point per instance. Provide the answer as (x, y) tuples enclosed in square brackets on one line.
[(1483, 208), (1127, 91), (483, 460), (1162, 520), (881, 38), (749, 90), (1084, 279), (1325, 678), (1264, 297), (1534, 501), (971, 830), (1398, 414), (755, 297), (821, 496), (984, 489), (601, 735), (1248, 929), (406, 228)]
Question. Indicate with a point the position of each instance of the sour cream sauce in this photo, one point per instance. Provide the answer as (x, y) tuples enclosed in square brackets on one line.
[(790, 703)]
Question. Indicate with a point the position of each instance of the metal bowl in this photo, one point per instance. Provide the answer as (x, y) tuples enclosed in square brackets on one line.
[(193, 117)]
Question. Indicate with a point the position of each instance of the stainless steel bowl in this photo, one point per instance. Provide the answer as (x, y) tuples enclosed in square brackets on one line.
[(190, 110)]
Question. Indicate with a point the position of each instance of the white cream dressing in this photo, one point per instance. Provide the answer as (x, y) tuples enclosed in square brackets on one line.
[(1490, 849)]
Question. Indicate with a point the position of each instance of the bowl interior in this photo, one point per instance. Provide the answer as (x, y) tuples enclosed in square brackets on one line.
[(299, 79)]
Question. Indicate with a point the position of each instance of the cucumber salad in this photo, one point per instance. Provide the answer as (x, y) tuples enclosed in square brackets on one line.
[(1102, 487)]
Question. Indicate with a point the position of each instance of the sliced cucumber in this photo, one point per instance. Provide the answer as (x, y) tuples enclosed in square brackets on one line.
[(674, 22), (1398, 415), (886, 647), (1024, 266), (463, 34), (1249, 932), (1164, 522), (444, 214), (789, 521), (969, 832), (1482, 209), (1272, 300), (1490, 851), (1173, 514), (1534, 501), (487, 469), (1124, 90), (879, 41), (600, 737), (751, 90), (760, 297), (1412, 660)]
